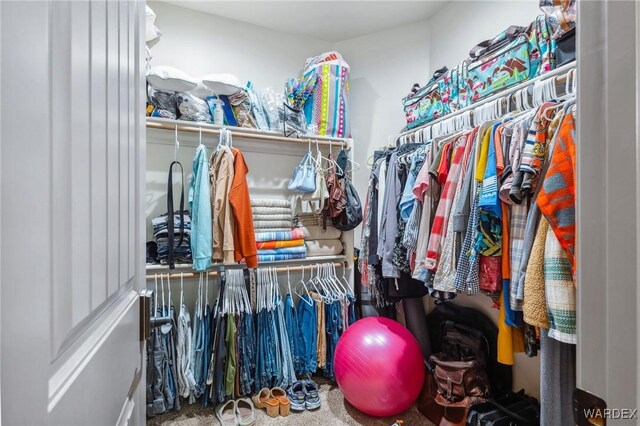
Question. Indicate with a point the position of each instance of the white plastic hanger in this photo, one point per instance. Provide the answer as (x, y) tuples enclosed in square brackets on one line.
[(305, 289), (176, 146)]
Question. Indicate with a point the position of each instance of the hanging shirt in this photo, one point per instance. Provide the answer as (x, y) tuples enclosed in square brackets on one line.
[(244, 240), (221, 172), (200, 208), (444, 207), (557, 197)]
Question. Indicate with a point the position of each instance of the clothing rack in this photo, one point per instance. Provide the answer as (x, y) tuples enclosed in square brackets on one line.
[(277, 269), (241, 132), (560, 71)]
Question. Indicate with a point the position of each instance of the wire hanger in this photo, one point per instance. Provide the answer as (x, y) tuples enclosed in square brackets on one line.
[(176, 146), (305, 288)]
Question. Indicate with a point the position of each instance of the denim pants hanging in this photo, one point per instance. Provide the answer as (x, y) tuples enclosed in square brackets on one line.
[(288, 371), (309, 329), (296, 338)]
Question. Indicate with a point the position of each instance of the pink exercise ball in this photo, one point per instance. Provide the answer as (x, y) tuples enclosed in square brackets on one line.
[(379, 367)]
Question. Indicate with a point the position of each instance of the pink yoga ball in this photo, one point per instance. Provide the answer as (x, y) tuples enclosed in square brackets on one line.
[(379, 367)]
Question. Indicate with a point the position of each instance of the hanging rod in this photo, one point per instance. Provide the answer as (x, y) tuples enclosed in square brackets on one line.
[(216, 273), (241, 132), (505, 93)]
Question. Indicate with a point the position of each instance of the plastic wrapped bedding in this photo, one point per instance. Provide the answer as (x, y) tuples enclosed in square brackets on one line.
[(161, 104), (192, 108)]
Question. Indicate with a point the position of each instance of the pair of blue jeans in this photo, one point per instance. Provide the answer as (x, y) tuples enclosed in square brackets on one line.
[(296, 338), (308, 321)]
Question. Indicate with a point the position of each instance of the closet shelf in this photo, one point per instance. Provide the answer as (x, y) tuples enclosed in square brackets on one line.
[(241, 132), (296, 264)]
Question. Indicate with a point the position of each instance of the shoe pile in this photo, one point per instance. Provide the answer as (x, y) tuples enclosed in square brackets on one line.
[(274, 401), (303, 395)]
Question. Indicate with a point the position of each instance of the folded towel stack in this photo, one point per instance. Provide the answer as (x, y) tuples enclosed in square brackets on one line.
[(321, 242), (276, 238), (270, 214)]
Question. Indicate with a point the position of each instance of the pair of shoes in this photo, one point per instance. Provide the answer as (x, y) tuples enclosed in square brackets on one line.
[(275, 401), (236, 413), (304, 395)]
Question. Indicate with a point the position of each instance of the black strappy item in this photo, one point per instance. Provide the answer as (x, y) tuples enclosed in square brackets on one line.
[(171, 214)]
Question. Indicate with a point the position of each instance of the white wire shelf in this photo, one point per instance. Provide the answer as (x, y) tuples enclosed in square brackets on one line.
[(241, 132), (295, 264)]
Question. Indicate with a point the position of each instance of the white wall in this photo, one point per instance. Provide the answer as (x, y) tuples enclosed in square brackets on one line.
[(460, 25), (199, 44), (384, 67)]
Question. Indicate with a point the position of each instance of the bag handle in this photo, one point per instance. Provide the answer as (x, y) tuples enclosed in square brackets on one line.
[(438, 73), (489, 45), (170, 214)]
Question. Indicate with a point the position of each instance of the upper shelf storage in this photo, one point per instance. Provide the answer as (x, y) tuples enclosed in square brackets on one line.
[(241, 132)]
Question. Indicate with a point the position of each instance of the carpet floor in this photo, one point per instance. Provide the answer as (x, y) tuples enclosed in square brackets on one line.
[(335, 411)]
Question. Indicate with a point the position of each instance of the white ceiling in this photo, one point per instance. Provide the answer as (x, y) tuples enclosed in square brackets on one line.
[(325, 20)]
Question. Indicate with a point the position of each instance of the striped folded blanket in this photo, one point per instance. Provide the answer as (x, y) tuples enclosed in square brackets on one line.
[(272, 230), (270, 202), (272, 210), (270, 217), (279, 244), (290, 234), (280, 257), (283, 250)]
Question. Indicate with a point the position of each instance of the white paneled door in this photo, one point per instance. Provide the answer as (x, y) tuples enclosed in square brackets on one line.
[(71, 224)]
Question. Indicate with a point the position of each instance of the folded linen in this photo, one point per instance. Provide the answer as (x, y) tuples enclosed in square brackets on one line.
[(270, 202), (279, 244), (323, 247), (289, 234), (272, 210), (315, 232), (271, 217), (262, 224), (283, 250), (279, 257)]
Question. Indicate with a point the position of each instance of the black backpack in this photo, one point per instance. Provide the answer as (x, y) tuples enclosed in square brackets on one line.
[(351, 215), (470, 333)]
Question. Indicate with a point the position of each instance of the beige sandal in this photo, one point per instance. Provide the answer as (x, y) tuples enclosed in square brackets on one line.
[(281, 397), (264, 400)]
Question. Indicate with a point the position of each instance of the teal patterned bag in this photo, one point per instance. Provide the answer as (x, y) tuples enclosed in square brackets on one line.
[(499, 63), (427, 103)]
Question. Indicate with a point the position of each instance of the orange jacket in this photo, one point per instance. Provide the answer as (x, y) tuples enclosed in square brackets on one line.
[(244, 238)]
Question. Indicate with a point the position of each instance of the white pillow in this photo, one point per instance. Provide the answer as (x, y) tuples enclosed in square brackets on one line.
[(222, 84), (152, 31), (201, 91), (170, 79)]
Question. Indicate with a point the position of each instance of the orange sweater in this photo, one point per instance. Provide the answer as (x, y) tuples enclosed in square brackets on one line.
[(244, 239)]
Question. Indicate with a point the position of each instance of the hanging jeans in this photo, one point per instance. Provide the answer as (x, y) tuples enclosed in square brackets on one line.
[(309, 329), (288, 371), (221, 358), (333, 327), (206, 352), (296, 338)]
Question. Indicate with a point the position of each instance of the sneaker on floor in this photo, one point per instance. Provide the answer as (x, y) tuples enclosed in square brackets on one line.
[(312, 399), (296, 396)]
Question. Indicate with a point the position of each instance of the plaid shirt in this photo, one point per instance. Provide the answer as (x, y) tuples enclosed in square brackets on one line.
[(517, 234), (444, 206)]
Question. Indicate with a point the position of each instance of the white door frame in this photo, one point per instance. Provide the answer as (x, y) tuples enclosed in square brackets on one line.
[(608, 203)]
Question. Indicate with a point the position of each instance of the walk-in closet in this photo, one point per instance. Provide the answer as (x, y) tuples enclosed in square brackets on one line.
[(378, 213)]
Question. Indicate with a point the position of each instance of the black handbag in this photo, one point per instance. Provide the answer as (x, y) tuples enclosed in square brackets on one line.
[(566, 48), (351, 215), (516, 409)]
